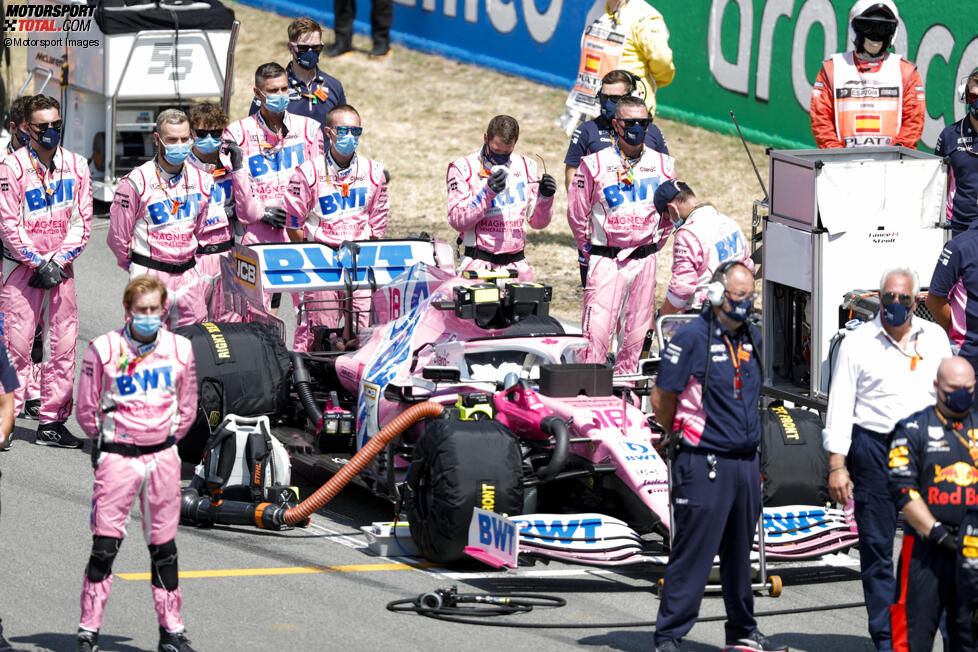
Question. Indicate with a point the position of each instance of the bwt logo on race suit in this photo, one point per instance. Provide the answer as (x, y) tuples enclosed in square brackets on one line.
[(729, 247), (331, 203), (145, 380), (161, 212), (37, 198), (220, 191), (508, 197), (641, 190), (284, 159)]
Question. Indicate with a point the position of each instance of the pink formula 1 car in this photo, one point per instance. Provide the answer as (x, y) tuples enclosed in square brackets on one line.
[(526, 430)]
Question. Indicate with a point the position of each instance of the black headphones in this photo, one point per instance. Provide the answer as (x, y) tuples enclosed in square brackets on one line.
[(634, 82), (962, 89)]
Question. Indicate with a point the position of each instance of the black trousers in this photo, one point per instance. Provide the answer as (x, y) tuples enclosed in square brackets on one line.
[(381, 17)]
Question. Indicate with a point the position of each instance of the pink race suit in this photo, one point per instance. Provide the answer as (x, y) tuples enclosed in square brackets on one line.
[(45, 214), (136, 396), (271, 161), (154, 227), (615, 222), (706, 240), (229, 191), (332, 205), (492, 226)]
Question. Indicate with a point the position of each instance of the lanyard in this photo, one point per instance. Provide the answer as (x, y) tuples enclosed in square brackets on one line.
[(339, 175), (914, 359), (736, 358), (267, 149), (628, 176), (126, 364), (40, 172), (163, 184)]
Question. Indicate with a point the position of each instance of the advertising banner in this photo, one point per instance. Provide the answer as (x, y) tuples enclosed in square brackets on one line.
[(757, 58)]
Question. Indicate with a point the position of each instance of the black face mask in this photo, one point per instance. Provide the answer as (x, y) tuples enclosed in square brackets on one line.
[(496, 159)]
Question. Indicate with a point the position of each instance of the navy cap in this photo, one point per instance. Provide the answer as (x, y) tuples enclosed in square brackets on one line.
[(666, 192)]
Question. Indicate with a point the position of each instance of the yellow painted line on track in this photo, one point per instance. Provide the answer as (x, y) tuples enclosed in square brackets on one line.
[(289, 570)]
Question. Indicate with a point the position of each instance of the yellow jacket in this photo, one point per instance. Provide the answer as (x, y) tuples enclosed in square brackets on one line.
[(646, 53)]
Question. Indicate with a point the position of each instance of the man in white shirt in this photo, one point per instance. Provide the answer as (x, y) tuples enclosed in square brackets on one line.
[(883, 373)]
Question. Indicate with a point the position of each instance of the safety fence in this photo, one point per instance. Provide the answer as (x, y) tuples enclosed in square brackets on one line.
[(755, 57)]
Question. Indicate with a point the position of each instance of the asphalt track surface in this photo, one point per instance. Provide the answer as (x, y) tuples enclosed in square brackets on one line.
[(320, 587)]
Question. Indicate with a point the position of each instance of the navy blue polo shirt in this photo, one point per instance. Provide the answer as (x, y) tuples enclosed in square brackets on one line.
[(8, 376), (954, 142), (717, 420), (303, 99), (595, 135), (959, 260)]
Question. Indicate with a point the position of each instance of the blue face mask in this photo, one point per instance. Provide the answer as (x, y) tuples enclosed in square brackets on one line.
[(608, 110), (49, 138), (896, 314), (973, 108), (347, 144), (176, 154), (207, 144), (739, 310), (23, 137), (496, 159), (959, 401), (146, 325), (308, 60), (634, 135), (277, 103)]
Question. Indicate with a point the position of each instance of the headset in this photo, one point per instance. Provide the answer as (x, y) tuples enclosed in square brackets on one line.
[(962, 87), (718, 284), (634, 81)]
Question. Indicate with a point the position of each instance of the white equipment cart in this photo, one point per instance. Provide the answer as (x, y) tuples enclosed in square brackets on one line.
[(133, 60)]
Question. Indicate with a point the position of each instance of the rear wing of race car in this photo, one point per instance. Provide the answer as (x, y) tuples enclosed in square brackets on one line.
[(251, 271)]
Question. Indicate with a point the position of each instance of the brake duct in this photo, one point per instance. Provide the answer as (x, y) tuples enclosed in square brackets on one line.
[(272, 516)]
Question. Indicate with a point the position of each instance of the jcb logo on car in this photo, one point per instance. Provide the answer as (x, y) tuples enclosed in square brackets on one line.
[(246, 271)]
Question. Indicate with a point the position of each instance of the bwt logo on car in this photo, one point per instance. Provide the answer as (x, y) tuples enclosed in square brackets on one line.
[(560, 530), (48, 18)]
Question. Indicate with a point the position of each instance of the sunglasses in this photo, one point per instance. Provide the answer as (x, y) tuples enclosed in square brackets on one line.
[(343, 131), (628, 122), (614, 98), (302, 49), (44, 126), (971, 96), (204, 133), (892, 297)]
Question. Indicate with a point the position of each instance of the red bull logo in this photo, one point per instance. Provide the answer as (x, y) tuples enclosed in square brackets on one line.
[(960, 473)]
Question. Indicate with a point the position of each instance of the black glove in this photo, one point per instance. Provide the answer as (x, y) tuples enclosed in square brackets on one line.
[(497, 180), (47, 276), (548, 185), (584, 263), (274, 217), (941, 537), (234, 153)]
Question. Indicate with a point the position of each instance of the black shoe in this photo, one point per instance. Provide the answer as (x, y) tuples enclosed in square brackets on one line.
[(670, 645), (339, 50), (5, 448), (31, 409), (5, 645), (755, 641), (55, 434), (174, 642), (87, 641), (380, 50)]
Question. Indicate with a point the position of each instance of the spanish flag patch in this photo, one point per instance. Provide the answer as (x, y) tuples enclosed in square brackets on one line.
[(867, 123)]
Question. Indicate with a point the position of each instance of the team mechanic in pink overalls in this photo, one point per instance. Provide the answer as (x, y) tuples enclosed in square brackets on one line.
[(230, 192), (45, 222), (137, 396), (157, 219), (332, 198), (611, 214), (274, 142), (491, 193)]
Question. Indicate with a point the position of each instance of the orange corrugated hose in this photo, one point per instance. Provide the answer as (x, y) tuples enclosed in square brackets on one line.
[(301, 512)]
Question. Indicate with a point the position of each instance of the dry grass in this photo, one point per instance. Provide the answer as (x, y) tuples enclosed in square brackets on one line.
[(421, 111)]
